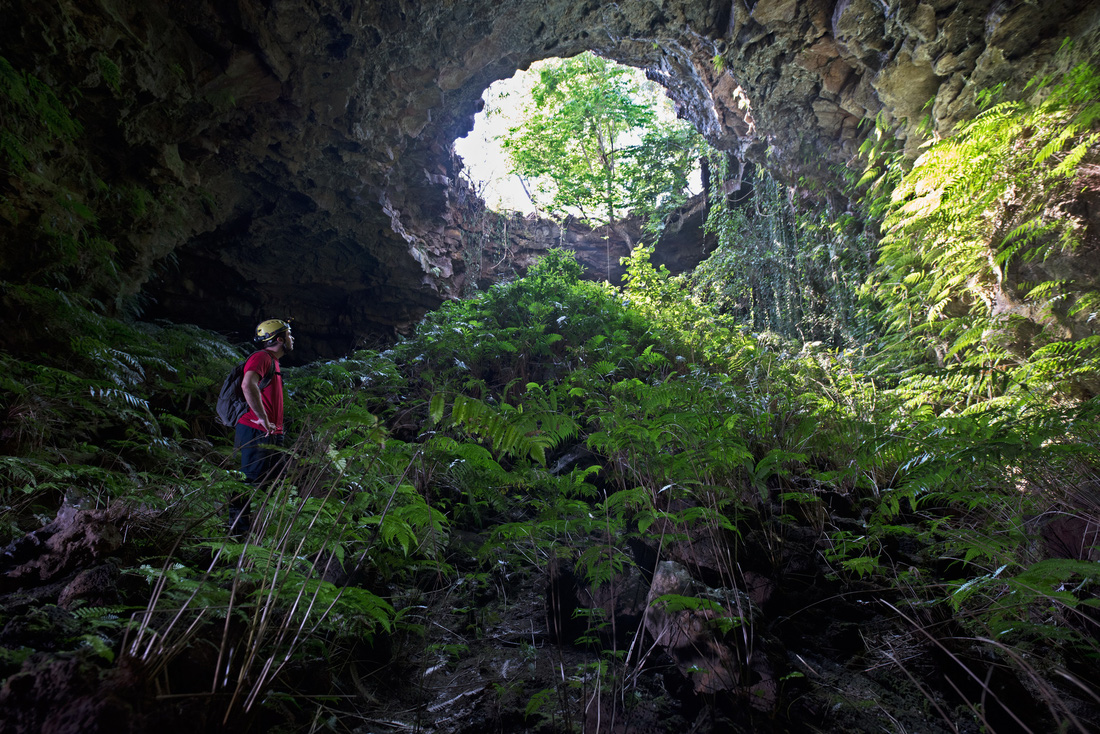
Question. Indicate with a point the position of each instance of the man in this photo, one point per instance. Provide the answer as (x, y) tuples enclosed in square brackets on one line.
[(260, 430)]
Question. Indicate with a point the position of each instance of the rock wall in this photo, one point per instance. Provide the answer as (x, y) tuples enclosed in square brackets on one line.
[(244, 159), (499, 246)]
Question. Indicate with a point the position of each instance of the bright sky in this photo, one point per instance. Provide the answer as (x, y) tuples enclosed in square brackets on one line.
[(486, 162), (485, 159)]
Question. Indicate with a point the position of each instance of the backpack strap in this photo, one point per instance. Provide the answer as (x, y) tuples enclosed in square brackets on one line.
[(266, 379)]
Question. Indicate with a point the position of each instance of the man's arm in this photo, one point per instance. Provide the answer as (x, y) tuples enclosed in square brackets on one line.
[(250, 386)]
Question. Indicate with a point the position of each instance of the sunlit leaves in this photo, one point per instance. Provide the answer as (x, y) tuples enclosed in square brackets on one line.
[(592, 146), (972, 212)]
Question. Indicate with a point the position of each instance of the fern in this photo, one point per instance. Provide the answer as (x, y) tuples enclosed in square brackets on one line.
[(511, 431), (974, 207)]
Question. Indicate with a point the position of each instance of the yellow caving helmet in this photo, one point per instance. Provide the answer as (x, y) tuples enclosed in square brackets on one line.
[(268, 330)]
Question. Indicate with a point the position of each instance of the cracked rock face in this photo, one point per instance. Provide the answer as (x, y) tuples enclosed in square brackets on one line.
[(251, 159)]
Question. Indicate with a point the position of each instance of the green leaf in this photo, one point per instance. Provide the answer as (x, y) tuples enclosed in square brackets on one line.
[(435, 408)]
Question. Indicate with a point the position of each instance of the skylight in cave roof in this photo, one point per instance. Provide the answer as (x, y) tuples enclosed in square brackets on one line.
[(487, 165)]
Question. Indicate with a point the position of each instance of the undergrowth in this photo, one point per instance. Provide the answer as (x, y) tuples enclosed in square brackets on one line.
[(556, 423)]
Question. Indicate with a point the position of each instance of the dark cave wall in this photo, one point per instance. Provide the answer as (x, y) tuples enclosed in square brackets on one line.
[(247, 159)]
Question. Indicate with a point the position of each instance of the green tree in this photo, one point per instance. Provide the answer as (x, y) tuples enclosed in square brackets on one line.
[(591, 143)]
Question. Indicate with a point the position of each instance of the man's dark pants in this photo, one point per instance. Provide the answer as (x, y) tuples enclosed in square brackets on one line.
[(261, 462)]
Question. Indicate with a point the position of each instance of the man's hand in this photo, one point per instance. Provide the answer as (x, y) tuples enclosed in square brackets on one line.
[(250, 386)]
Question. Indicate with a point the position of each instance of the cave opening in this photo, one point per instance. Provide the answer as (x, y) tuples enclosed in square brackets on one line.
[(508, 102), (485, 162)]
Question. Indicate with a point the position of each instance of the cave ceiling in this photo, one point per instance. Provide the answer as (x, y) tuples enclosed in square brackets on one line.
[(293, 158)]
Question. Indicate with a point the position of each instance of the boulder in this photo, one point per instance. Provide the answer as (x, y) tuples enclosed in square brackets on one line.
[(710, 635), (74, 540)]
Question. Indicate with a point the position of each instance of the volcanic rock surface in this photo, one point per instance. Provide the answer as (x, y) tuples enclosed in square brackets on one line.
[(247, 159)]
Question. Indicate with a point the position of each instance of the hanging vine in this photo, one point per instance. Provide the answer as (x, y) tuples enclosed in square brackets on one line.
[(783, 268)]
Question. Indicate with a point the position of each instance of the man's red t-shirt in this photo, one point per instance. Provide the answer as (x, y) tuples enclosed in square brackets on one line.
[(272, 395)]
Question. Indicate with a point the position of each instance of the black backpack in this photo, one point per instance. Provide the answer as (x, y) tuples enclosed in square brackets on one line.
[(231, 402)]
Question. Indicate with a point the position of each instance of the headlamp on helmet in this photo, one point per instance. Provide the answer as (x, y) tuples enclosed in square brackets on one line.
[(268, 330)]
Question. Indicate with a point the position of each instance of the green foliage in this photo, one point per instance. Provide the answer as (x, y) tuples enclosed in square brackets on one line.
[(565, 420), (785, 268), (679, 318), (658, 169), (510, 429), (35, 117), (716, 615), (38, 126), (591, 143), (70, 234), (976, 211), (539, 703), (884, 165), (110, 72), (97, 419)]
